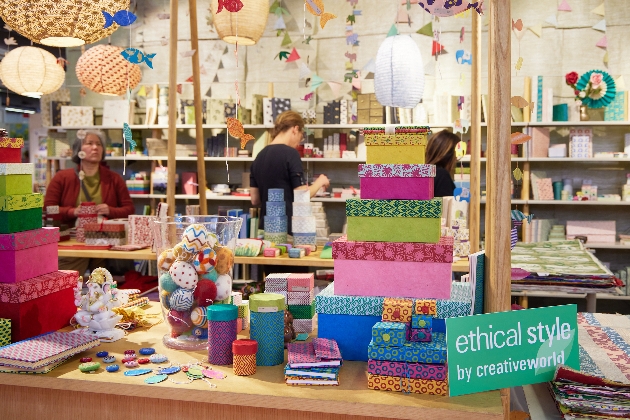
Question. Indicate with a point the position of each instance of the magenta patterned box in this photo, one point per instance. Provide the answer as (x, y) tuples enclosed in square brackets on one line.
[(420, 334), (442, 252), (221, 334), (409, 370), (301, 298), (392, 182)]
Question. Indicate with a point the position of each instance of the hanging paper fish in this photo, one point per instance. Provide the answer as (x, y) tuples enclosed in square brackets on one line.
[(135, 56), (121, 17), (230, 5), (235, 128), (519, 216), (128, 137), (316, 7), (10, 41), (520, 102), (519, 138)]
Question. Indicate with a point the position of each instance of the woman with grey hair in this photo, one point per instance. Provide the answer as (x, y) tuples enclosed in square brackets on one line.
[(91, 181)]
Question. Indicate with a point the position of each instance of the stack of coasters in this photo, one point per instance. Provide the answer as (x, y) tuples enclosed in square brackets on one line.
[(303, 222), (390, 182), (275, 221), (405, 145), (28, 254), (107, 233), (267, 327), (278, 283), (301, 300), (86, 216), (313, 363)]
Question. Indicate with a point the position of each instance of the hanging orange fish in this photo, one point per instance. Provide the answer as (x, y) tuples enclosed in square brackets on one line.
[(235, 128), (520, 102), (519, 138), (316, 7), (230, 5)]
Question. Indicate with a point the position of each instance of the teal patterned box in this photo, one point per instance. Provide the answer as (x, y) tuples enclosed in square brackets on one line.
[(433, 352), (422, 321), (393, 334), (326, 302), (427, 209)]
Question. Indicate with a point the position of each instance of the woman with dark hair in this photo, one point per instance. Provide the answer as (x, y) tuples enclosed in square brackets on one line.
[(278, 165), (441, 153)]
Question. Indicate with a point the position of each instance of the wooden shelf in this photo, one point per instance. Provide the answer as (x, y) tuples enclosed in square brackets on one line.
[(564, 160), (616, 245), (567, 202), (565, 295)]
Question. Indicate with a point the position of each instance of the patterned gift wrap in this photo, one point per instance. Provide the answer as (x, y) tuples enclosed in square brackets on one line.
[(428, 209), (416, 386), (37, 287), (300, 282), (243, 310), (421, 321), (101, 234), (304, 239), (17, 168), (296, 253), (407, 370), (21, 202), (302, 311), (420, 335), (276, 224), (301, 298), (389, 334), (460, 291), (267, 328), (140, 232), (433, 352), (425, 307), (442, 252), (244, 365), (303, 224), (304, 325), (11, 142), (397, 139), (236, 298), (396, 171), (276, 208), (302, 209), (20, 220), (397, 310), (221, 334), (275, 194), (5, 332), (15, 184), (276, 237), (29, 238), (422, 129)]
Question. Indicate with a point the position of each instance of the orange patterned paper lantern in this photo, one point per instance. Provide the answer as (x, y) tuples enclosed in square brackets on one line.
[(104, 70)]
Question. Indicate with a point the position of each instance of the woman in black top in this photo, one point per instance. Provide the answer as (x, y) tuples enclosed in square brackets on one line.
[(441, 153), (278, 165)]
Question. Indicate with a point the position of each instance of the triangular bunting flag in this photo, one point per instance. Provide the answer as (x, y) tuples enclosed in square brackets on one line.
[(602, 43), (370, 67), (536, 29), (220, 65), (286, 40), (426, 30), (403, 17), (437, 48), (599, 10), (600, 26), (620, 84), (293, 56), (304, 71), (316, 81), (334, 86), (216, 78), (209, 92), (280, 24), (429, 68), (392, 31), (564, 6), (142, 92), (605, 60), (189, 80), (552, 20)]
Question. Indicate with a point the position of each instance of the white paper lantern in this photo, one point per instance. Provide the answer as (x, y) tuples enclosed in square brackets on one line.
[(245, 26), (399, 75), (31, 71)]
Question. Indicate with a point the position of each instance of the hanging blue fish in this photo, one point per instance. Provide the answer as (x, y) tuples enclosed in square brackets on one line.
[(121, 17), (517, 215), (135, 56), (128, 137)]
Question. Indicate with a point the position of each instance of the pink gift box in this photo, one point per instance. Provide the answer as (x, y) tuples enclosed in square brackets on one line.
[(442, 252), (393, 278), (410, 370), (271, 252), (221, 334), (420, 334), (24, 255), (397, 188), (300, 298), (300, 282)]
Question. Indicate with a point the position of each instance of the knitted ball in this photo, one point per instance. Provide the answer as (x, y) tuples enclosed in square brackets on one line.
[(165, 259), (225, 260)]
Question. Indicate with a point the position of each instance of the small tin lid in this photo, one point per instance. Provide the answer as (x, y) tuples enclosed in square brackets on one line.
[(266, 302), (244, 347), (222, 312)]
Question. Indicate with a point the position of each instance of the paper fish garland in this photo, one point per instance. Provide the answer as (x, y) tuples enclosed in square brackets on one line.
[(519, 138), (519, 63), (135, 56), (128, 136), (230, 5), (316, 7), (121, 17), (460, 150), (461, 126), (520, 102), (235, 128), (518, 174)]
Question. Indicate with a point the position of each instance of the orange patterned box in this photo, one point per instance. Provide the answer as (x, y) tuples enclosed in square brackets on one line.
[(398, 310), (399, 384), (425, 307)]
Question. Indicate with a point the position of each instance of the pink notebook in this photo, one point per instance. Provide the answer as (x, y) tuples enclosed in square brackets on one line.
[(321, 352)]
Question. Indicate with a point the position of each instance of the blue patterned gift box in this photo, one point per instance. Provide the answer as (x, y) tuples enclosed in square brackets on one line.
[(276, 238), (421, 321), (304, 239), (267, 328), (393, 334), (426, 352), (276, 208), (276, 224), (275, 194)]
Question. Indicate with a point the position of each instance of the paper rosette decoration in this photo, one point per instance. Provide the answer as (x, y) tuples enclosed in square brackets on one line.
[(61, 23), (607, 94), (397, 80), (445, 8), (31, 71), (104, 70), (245, 26)]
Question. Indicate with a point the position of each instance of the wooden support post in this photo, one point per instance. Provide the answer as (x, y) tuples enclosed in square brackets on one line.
[(498, 169), (172, 110), (201, 164), (475, 137)]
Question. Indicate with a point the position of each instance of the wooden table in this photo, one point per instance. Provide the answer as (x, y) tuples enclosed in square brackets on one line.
[(66, 393)]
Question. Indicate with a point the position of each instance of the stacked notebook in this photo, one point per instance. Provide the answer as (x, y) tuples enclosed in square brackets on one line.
[(43, 353), (314, 363)]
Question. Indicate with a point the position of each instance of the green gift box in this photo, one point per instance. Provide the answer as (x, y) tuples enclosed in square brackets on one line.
[(15, 184), (393, 229), (302, 311), (20, 220), (5, 332), (433, 352), (427, 209), (389, 334), (21, 202)]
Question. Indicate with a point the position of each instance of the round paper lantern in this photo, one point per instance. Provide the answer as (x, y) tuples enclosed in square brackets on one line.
[(61, 23), (103, 70), (444, 8), (31, 71), (245, 26), (399, 74)]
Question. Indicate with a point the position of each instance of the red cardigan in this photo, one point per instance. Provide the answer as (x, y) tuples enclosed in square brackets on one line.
[(63, 191)]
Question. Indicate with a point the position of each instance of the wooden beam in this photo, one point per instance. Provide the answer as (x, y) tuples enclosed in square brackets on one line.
[(498, 168), (201, 164), (172, 110), (475, 137)]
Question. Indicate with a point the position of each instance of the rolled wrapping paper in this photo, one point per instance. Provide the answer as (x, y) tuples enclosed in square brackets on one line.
[(275, 237), (302, 209), (304, 239), (244, 357), (303, 224), (267, 328), (266, 302), (276, 224), (221, 333), (301, 196), (276, 208), (275, 194)]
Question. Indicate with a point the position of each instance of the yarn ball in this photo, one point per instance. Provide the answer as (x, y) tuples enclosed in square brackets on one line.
[(167, 284), (225, 260), (210, 275), (212, 239), (165, 259), (206, 259), (182, 253), (205, 293), (184, 274), (199, 316), (181, 299), (224, 287), (164, 299), (195, 236), (179, 321)]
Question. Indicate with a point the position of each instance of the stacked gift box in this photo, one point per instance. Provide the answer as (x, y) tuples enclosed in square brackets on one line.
[(303, 222), (322, 230), (86, 215), (278, 283), (275, 221), (404, 353), (301, 301), (109, 232)]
